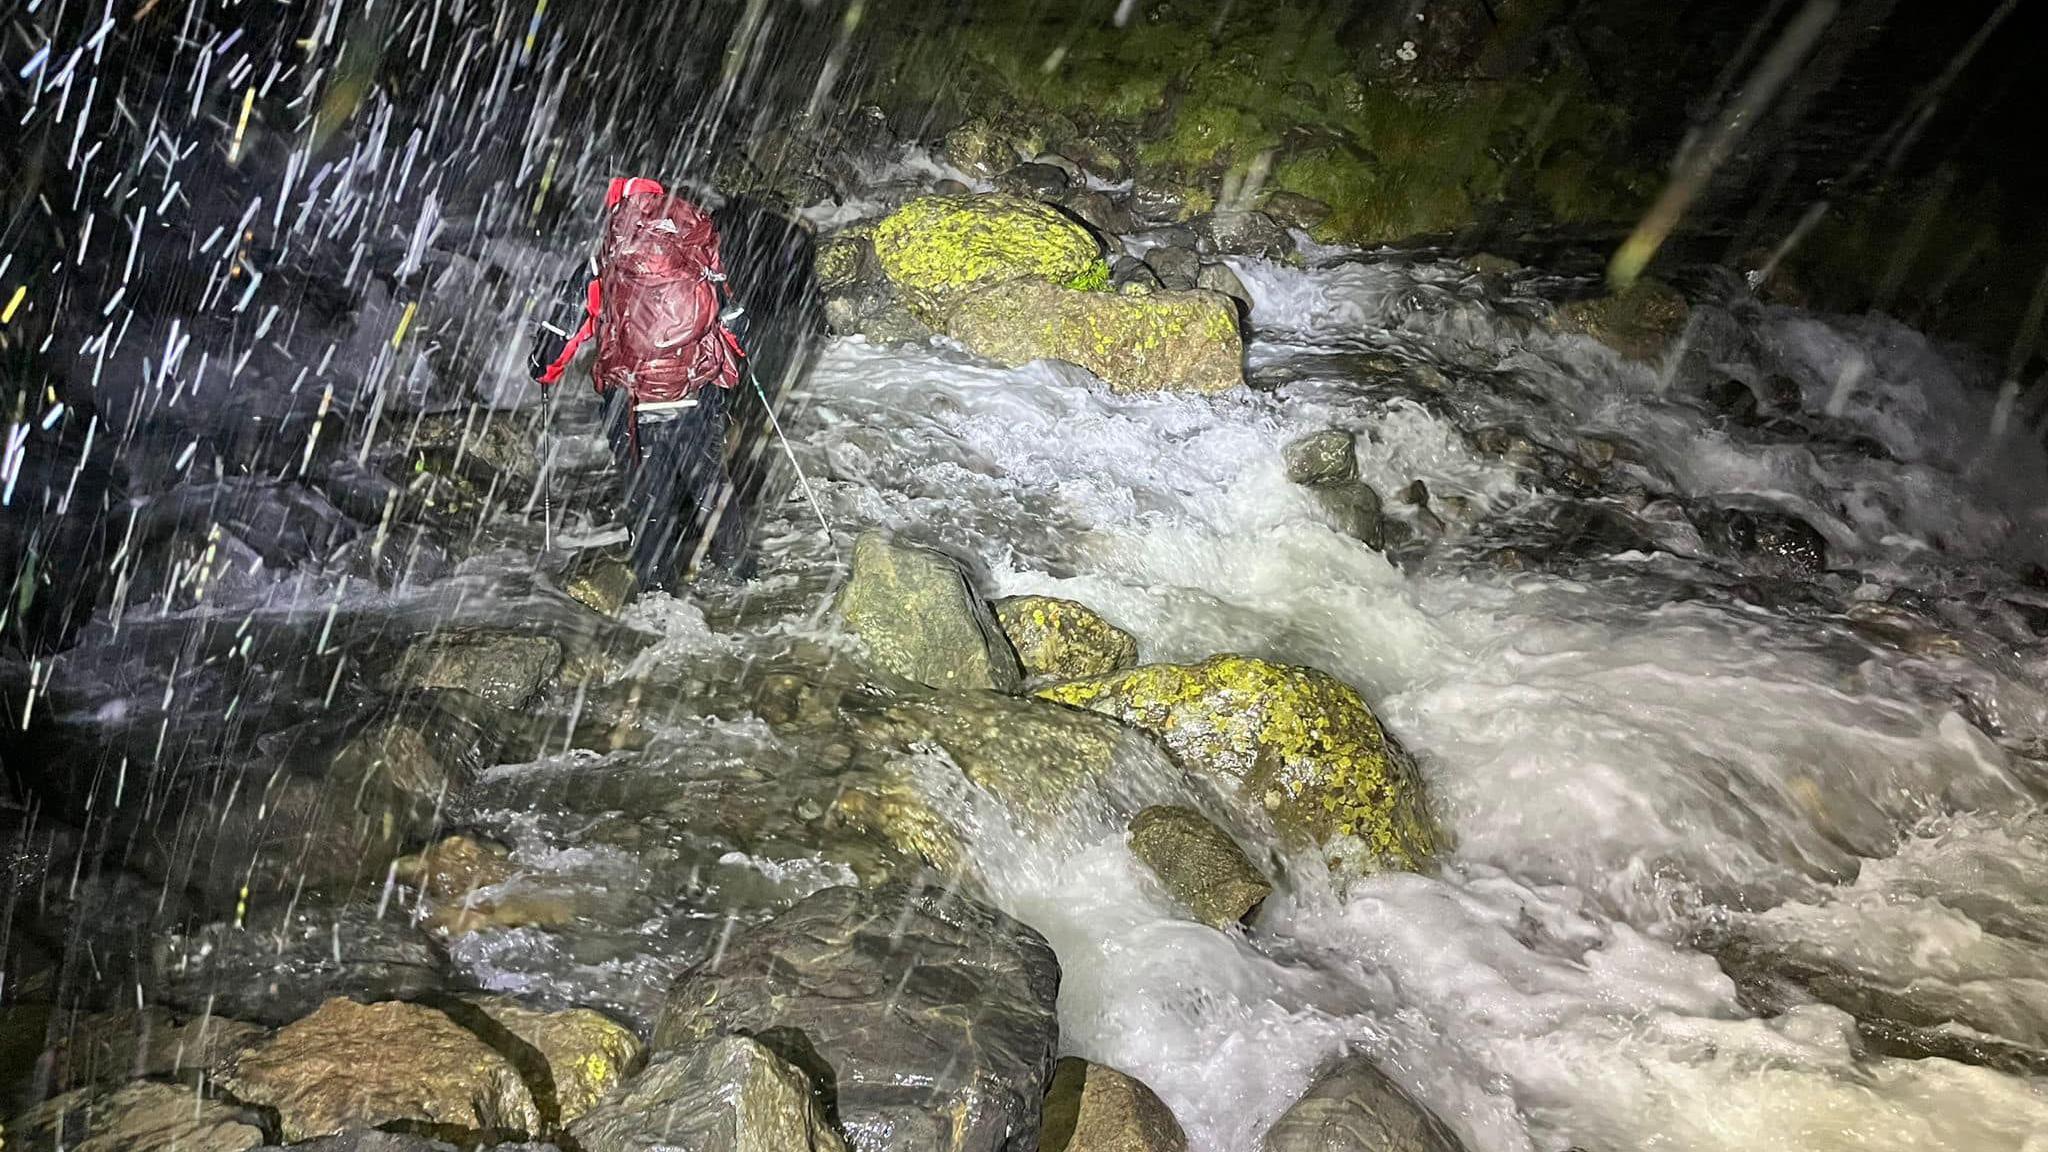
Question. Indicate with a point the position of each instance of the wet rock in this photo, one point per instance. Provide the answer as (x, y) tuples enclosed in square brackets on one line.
[(1244, 234), (140, 1116), (272, 974), (1034, 757), (1354, 509), (1640, 323), (939, 249), (728, 1093), (1129, 270), (1293, 210), (981, 148), (475, 913), (1158, 196), (1320, 458), (374, 1141), (1099, 210), (927, 1019), (1352, 1107), (1298, 743), (1731, 398), (505, 441), (125, 1044), (1164, 342), (601, 581), (507, 669), (570, 1059), (1177, 268), (1220, 279), (922, 620), (351, 1065), (455, 865), (1095, 1108), (1063, 639), (1777, 542), (1038, 181), (1200, 865), (1489, 264)]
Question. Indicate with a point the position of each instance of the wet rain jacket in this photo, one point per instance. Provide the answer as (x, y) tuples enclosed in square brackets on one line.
[(655, 304)]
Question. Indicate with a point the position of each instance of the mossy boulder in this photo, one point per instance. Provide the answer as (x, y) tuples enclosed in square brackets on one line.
[(1640, 322), (1200, 865), (582, 1054), (139, 1116), (921, 619), (937, 249), (1160, 342), (1063, 639), (1298, 742)]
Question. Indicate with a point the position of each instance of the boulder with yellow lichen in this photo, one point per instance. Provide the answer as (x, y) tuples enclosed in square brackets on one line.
[(1300, 743), (938, 249), (1055, 637), (1155, 342)]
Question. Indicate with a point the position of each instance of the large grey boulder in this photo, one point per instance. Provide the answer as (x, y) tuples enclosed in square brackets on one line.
[(922, 620), (727, 1094), (927, 1019), (1351, 1106)]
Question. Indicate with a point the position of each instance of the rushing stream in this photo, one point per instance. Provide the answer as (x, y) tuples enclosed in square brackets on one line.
[(1637, 752), (1748, 849)]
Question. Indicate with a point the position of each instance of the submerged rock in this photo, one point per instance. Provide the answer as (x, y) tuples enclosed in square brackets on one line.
[(1640, 323), (1354, 509), (922, 620), (1321, 458), (1352, 1107), (926, 1018), (455, 865), (1063, 639), (1200, 865), (507, 669), (352, 1065), (726, 1094), (1778, 542), (1095, 1108), (938, 249), (1300, 743), (1162, 342), (140, 1116)]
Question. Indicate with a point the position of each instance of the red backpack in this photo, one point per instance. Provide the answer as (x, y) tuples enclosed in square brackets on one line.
[(658, 297)]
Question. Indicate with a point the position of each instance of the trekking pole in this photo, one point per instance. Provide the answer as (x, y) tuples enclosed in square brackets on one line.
[(547, 464), (802, 480)]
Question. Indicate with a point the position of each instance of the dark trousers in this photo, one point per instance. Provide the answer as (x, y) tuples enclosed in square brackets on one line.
[(678, 497)]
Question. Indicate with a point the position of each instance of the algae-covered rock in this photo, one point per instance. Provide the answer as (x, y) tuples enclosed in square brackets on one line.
[(728, 1093), (937, 249), (455, 865), (1162, 342), (1063, 639), (1639, 323), (1200, 865), (1352, 1107), (921, 620), (352, 1065), (1296, 741), (140, 1116), (582, 1054), (1095, 1108)]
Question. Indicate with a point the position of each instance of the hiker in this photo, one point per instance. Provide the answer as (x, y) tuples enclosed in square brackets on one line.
[(667, 360)]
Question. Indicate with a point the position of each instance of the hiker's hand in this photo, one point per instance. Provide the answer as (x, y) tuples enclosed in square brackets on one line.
[(547, 348)]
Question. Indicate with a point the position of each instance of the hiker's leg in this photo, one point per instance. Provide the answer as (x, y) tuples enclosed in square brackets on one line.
[(704, 485), (658, 519)]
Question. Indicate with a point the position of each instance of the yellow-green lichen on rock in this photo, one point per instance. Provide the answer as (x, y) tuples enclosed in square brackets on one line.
[(1641, 322), (1161, 342), (1299, 742), (1063, 639), (937, 249)]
